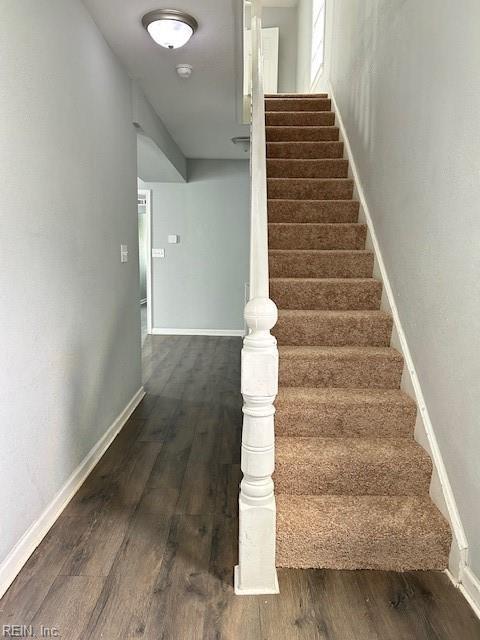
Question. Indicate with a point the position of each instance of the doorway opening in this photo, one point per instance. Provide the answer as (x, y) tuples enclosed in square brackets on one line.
[(144, 206)]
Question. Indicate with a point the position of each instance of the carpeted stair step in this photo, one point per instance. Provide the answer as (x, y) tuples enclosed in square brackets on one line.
[(349, 367), (282, 96), (310, 188), (310, 411), (320, 264), (311, 168), (351, 482), (353, 466), (300, 118), (308, 235), (392, 533), (305, 150), (298, 104), (287, 210), (333, 328), (335, 294), (301, 134)]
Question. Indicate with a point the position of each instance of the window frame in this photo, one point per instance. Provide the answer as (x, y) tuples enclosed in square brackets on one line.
[(317, 36)]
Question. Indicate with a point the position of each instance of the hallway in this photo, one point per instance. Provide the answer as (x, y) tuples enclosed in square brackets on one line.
[(146, 548)]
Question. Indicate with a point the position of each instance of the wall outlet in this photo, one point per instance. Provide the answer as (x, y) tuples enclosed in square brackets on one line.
[(123, 253), (173, 239), (158, 253)]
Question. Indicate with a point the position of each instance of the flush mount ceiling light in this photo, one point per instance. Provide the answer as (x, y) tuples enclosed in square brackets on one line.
[(170, 28)]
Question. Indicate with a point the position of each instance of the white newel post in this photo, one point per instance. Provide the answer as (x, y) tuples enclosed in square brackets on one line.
[(256, 572)]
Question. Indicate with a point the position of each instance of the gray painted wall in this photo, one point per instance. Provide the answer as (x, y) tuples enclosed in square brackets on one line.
[(164, 150), (287, 20), (69, 312), (153, 165), (200, 282), (405, 75)]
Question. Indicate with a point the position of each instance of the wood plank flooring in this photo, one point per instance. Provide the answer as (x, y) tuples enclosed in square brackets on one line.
[(146, 548)]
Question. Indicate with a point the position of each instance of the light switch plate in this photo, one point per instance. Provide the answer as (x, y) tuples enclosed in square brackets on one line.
[(158, 253), (123, 253), (173, 239)]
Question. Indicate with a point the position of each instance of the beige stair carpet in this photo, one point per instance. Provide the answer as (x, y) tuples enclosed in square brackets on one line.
[(351, 482)]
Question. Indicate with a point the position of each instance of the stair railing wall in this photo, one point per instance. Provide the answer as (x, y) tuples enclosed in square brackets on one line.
[(256, 572)]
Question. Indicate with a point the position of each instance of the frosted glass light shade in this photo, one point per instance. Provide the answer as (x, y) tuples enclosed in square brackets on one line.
[(169, 28), (170, 34)]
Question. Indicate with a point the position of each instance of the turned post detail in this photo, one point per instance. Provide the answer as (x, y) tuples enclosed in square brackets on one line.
[(256, 571)]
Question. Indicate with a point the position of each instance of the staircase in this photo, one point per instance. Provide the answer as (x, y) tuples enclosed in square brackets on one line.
[(351, 483)]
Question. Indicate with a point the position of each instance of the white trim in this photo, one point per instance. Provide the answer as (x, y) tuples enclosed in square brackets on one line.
[(445, 495), (148, 212), (32, 537), (261, 591), (470, 588), (197, 332)]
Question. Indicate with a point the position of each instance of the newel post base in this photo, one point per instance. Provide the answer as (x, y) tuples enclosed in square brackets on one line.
[(256, 572)]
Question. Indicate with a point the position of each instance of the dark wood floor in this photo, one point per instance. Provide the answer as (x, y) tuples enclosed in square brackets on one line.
[(146, 549)]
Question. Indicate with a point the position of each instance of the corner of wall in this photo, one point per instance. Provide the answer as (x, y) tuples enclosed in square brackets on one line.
[(440, 487), (33, 536), (147, 121)]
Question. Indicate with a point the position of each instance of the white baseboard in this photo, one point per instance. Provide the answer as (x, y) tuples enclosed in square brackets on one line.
[(32, 537), (252, 592), (441, 490), (197, 332), (470, 587)]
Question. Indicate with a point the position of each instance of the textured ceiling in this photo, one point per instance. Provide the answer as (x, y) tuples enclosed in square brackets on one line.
[(200, 113)]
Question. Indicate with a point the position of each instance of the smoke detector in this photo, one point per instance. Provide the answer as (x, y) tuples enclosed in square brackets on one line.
[(184, 70)]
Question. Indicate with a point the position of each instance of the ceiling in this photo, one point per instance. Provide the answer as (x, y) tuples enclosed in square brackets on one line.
[(201, 113)]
